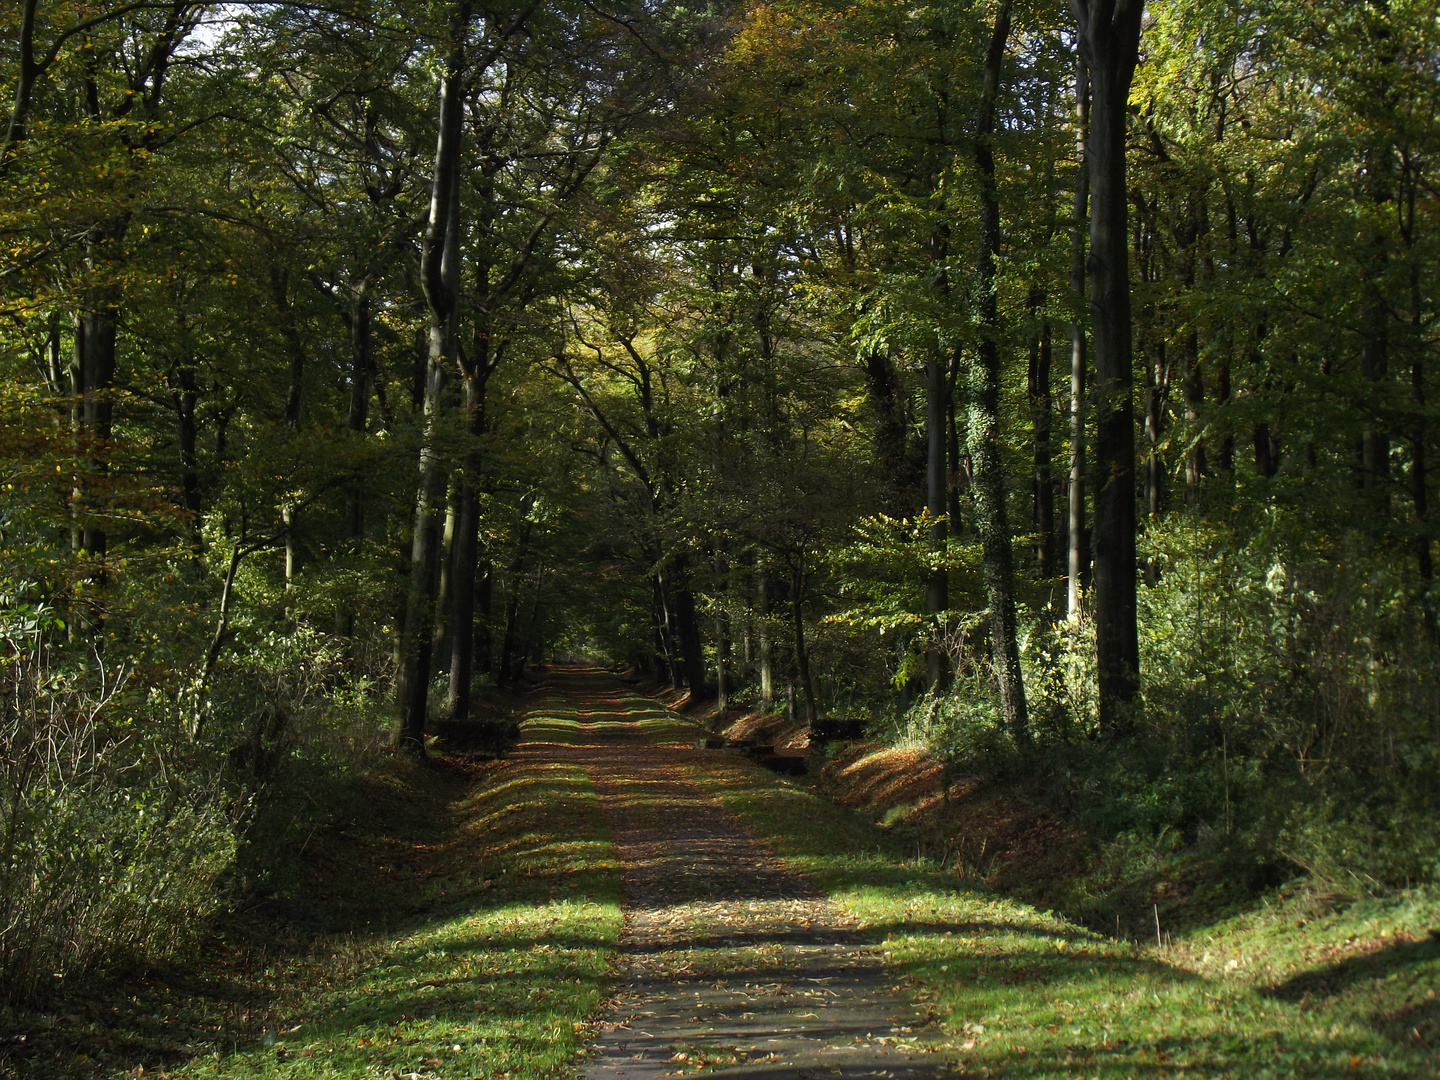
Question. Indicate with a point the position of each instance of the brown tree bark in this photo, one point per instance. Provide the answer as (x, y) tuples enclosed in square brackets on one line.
[(802, 652), (1109, 43), (440, 257), (1042, 408), (984, 426), (937, 587), (1077, 555)]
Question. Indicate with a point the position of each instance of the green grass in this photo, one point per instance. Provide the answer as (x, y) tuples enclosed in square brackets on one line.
[(1277, 992), (482, 905)]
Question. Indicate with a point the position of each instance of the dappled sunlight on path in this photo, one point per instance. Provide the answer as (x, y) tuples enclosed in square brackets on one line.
[(731, 963)]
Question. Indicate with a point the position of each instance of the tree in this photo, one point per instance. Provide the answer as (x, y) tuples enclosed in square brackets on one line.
[(1109, 44)]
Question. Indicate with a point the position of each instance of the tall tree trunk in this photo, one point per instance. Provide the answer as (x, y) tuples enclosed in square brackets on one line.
[(294, 395), (1419, 471), (957, 474), (361, 374), (722, 662), (1042, 408), (984, 434), (892, 447), (512, 606), (664, 633), (1157, 385), (29, 71), (1077, 555), (1109, 42), (95, 342), (765, 645), (467, 564), (687, 626), (187, 396), (722, 635), (484, 608), (937, 588), (476, 369), (440, 651), (440, 257), (1192, 387), (802, 653), (1374, 367), (1225, 446)]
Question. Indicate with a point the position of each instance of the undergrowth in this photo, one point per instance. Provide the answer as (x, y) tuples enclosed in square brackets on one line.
[(442, 921)]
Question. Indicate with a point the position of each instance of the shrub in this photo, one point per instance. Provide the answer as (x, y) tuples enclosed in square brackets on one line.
[(111, 842)]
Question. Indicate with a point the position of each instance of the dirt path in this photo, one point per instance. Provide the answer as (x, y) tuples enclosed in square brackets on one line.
[(732, 963)]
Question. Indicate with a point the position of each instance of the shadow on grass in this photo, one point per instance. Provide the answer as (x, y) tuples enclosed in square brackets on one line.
[(1328, 981)]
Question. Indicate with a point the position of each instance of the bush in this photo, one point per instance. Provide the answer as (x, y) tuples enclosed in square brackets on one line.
[(112, 842)]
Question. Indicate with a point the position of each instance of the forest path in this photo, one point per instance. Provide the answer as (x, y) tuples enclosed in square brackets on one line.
[(732, 964)]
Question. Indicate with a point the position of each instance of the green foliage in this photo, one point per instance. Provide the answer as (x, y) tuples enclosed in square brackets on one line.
[(113, 843)]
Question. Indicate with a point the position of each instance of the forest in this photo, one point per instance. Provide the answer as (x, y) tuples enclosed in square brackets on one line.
[(1045, 388)]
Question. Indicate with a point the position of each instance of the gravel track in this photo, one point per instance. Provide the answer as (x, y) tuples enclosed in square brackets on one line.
[(730, 963)]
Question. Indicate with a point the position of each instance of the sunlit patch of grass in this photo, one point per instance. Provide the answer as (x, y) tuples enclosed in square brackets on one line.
[(656, 721), (503, 987), (1019, 992)]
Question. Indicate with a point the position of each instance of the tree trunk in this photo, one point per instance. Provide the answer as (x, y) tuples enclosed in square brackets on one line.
[(957, 474), (1419, 472), (1267, 451), (467, 559), (687, 626), (1158, 377), (1109, 42), (892, 446), (937, 588), (29, 71), (722, 636), (984, 433), (722, 663), (765, 646), (1225, 445), (1042, 407), (802, 654), (361, 374), (1374, 366), (1077, 555), (476, 369), (664, 635), (440, 256), (1192, 386), (512, 606), (187, 396), (445, 590), (484, 608), (95, 342)]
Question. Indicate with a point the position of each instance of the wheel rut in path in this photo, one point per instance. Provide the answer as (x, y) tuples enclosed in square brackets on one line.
[(730, 963)]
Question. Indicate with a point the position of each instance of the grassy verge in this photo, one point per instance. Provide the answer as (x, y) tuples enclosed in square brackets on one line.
[(1281, 991), (458, 923)]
